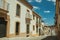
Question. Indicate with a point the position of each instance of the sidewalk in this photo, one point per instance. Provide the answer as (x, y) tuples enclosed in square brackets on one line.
[(24, 38)]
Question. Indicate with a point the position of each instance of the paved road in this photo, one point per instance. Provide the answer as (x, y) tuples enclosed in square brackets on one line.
[(50, 38), (32, 38), (29, 38), (24, 38)]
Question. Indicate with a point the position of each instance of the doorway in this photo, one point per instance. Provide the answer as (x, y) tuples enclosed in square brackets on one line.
[(39, 32), (17, 28), (3, 26), (27, 30)]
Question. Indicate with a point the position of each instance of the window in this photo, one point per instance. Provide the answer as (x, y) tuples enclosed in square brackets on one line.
[(17, 28), (39, 21), (33, 16), (36, 19), (37, 29), (33, 27), (27, 29), (28, 11), (28, 14), (18, 10)]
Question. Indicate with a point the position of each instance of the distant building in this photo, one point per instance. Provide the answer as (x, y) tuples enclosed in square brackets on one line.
[(18, 19), (36, 24), (42, 28), (47, 30), (53, 30)]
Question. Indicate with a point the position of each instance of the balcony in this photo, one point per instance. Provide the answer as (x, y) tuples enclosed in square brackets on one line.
[(3, 6), (28, 18), (37, 23)]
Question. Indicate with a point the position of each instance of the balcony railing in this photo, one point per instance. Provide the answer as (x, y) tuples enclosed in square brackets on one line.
[(4, 5), (28, 16)]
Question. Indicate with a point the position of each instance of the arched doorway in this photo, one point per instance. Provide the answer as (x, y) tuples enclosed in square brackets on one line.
[(3, 25)]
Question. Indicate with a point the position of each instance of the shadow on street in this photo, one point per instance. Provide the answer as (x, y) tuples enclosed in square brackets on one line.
[(50, 38)]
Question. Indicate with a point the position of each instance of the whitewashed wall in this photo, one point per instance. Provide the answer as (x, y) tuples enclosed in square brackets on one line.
[(14, 19)]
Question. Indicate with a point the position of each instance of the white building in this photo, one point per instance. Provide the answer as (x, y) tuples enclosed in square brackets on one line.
[(18, 19), (45, 30), (42, 28)]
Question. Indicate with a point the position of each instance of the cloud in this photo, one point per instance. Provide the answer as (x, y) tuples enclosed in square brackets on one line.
[(44, 18), (47, 11), (29, 0), (54, 1), (38, 1), (35, 7), (35, 0), (48, 0)]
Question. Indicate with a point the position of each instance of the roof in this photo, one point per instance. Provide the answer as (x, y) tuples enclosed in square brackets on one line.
[(36, 14), (26, 3)]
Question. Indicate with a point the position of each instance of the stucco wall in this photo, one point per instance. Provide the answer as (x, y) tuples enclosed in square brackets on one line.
[(21, 19)]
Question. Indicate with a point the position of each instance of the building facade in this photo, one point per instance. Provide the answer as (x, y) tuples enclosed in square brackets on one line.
[(42, 28), (36, 24), (18, 19), (47, 30)]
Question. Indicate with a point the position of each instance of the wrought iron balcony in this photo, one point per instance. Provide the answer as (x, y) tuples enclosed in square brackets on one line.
[(3, 6), (28, 16)]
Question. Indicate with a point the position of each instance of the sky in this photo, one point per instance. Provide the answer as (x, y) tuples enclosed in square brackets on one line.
[(46, 9)]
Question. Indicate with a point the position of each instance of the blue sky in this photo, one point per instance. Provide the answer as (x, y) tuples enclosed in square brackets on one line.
[(46, 9)]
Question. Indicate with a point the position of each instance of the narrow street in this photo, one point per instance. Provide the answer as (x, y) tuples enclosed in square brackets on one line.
[(24, 38), (50, 38), (29, 19), (32, 38)]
